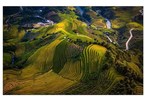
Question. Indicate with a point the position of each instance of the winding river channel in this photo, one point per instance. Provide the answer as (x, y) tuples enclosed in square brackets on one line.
[(130, 31)]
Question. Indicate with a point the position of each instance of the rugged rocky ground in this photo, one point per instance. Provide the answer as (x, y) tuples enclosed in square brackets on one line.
[(73, 50)]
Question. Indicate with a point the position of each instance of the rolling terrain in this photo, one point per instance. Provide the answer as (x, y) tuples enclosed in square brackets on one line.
[(73, 50)]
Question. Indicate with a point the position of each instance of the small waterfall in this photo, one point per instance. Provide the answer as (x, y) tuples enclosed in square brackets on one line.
[(108, 24), (109, 38)]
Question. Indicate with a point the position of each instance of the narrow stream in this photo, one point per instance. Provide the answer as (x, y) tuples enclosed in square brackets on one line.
[(109, 38), (48, 21), (108, 25)]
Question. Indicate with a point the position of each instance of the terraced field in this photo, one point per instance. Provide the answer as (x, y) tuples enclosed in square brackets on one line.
[(93, 58), (73, 55)]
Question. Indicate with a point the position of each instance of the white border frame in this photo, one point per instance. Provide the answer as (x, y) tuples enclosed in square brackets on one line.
[(62, 3)]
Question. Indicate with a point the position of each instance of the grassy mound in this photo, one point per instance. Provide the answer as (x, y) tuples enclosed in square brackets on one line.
[(41, 60)]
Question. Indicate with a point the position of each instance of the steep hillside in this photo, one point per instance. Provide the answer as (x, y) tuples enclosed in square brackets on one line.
[(73, 50)]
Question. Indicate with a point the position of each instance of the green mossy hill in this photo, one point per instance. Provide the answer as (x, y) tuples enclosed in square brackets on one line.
[(70, 25)]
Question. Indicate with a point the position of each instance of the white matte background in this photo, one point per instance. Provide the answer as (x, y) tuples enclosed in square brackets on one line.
[(62, 3)]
